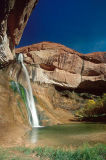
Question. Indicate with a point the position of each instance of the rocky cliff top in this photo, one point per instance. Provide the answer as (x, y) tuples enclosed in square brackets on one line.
[(96, 57), (66, 67)]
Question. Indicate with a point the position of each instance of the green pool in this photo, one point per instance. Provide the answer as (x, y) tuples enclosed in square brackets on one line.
[(75, 135)]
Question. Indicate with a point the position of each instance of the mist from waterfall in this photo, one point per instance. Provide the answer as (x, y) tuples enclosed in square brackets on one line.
[(31, 108)]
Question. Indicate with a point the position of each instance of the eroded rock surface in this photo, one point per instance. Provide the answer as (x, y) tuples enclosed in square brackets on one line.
[(13, 114), (55, 72), (14, 15), (56, 64)]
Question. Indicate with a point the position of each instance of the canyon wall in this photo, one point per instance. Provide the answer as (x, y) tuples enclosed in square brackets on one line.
[(14, 15), (62, 79), (53, 63)]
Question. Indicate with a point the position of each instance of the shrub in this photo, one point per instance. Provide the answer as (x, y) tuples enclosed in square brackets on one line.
[(93, 108)]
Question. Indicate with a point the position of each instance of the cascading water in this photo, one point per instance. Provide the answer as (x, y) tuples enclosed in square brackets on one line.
[(32, 113)]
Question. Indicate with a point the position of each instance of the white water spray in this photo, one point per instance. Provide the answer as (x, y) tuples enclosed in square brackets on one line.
[(32, 113)]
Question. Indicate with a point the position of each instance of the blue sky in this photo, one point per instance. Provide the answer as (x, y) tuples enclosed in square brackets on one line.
[(78, 24)]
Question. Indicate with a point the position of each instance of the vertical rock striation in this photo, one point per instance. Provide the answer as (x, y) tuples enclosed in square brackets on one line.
[(14, 15)]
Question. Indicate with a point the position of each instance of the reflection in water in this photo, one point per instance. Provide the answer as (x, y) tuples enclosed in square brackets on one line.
[(33, 135), (68, 135)]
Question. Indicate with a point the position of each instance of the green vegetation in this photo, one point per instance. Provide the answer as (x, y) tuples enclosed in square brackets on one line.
[(95, 107), (18, 88), (86, 106), (19, 106), (22, 153), (86, 153), (11, 154)]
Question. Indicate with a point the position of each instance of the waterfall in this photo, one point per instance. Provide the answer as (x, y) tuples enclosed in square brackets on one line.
[(32, 113)]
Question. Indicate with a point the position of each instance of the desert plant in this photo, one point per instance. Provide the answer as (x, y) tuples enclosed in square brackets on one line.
[(93, 107)]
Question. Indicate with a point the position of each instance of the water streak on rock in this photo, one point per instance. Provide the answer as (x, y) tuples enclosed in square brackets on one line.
[(32, 113)]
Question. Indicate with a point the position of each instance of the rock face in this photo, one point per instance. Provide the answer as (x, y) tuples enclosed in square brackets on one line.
[(56, 72), (56, 64), (14, 15), (13, 118)]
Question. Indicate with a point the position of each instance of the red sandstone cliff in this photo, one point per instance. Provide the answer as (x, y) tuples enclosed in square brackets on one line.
[(14, 15), (56, 64)]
